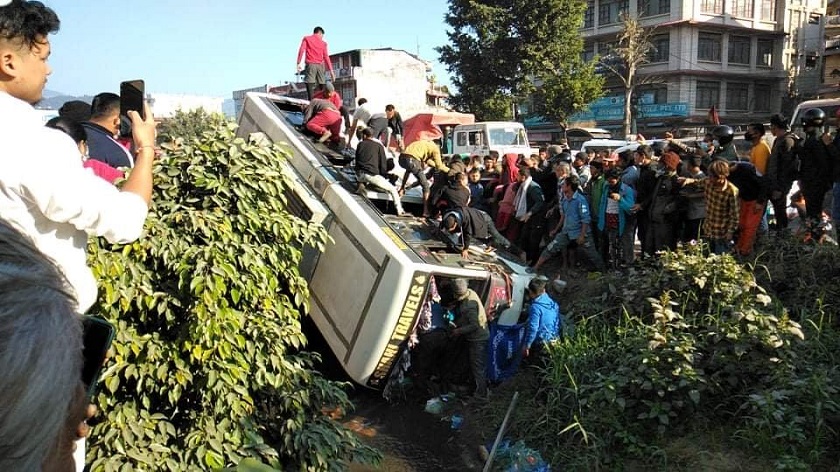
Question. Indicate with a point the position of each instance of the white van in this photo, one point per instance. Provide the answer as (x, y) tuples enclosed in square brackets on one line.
[(369, 286), (501, 136)]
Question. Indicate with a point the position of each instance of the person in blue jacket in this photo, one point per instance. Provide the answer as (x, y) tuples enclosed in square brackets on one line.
[(543, 318), (616, 206)]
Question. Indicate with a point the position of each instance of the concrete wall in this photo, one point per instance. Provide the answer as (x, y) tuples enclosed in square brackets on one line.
[(392, 77)]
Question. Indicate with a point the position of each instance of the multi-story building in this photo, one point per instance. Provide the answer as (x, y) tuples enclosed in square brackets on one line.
[(734, 55), (382, 76), (830, 76)]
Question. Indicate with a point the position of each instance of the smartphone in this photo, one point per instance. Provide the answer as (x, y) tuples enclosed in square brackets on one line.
[(132, 93), (98, 335)]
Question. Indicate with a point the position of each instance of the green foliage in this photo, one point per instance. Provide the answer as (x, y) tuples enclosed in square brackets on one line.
[(206, 368), (188, 125), (498, 56), (684, 341)]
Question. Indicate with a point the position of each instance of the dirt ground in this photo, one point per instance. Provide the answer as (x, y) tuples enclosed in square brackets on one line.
[(413, 440)]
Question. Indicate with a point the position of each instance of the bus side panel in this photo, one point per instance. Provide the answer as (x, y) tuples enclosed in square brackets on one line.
[(342, 282), (388, 325)]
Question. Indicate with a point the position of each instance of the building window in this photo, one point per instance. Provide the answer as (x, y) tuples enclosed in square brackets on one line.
[(708, 94), (762, 97), (739, 50), (649, 95), (588, 52), (708, 47), (768, 10), (742, 8), (660, 50), (609, 11), (589, 14), (764, 53), (737, 97), (653, 7), (712, 6)]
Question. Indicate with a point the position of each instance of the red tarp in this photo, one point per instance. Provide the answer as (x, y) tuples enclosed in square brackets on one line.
[(428, 125)]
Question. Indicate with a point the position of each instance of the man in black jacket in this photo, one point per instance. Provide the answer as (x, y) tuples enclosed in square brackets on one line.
[(460, 225), (781, 167), (103, 126), (372, 167), (529, 208), (395, 126)]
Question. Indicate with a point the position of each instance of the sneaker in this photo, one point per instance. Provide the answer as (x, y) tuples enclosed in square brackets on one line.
[(327, 135)]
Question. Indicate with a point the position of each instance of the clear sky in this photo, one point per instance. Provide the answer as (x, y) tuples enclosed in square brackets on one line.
[(212, 47)]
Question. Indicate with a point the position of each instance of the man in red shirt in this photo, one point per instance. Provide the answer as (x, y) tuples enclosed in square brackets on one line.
[(329, 93), (317, 60)]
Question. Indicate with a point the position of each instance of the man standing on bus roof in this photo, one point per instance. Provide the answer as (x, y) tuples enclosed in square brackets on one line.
[(317, 61)]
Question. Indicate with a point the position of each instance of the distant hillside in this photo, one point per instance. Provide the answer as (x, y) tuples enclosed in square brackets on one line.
[(54, 100)]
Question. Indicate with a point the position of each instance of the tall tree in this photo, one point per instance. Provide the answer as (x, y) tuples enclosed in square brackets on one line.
[(503, 51), (631, 52)]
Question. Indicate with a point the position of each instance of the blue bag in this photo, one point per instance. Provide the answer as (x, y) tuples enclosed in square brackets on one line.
[(504, 351)]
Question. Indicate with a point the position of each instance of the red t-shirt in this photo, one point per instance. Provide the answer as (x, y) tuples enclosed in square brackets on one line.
[(103, 170), (335, 98), (316, 51)]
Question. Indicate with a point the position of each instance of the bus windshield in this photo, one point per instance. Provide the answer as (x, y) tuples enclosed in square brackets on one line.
[(508, 137)]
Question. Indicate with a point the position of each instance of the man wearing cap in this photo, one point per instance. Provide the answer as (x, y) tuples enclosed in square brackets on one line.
[(471, 324), (322, 118), (317, 61), (329, 93), (781, 167)]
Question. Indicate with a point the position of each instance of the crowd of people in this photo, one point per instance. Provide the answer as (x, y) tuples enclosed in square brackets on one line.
[(602, 206)]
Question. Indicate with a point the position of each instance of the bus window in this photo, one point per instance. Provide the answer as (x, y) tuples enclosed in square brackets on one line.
[(507, 137), (476, 138), (462, 139)]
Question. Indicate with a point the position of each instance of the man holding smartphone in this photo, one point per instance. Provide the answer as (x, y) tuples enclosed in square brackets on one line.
[(44, 190)]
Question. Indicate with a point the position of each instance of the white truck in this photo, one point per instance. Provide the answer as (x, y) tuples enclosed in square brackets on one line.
[(371, 283), (482, 137)]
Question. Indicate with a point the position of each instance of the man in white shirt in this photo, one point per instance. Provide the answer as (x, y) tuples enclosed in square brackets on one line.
[(44, 190), (364, 117)]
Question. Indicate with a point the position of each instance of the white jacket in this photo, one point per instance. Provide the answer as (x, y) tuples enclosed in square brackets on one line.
[(48, 195)]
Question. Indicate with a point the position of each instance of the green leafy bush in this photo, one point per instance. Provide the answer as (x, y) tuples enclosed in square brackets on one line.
[(207, 368), (693, 337)]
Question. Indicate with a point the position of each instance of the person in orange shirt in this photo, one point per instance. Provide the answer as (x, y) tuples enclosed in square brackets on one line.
[(760, 152)]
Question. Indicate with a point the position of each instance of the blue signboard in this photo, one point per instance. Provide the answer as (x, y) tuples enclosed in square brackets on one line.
[(600, 112)]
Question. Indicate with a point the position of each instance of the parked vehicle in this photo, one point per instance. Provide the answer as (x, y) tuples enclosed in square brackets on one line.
[(481, 138), (370, 284), (831, 107), (577, 136)]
